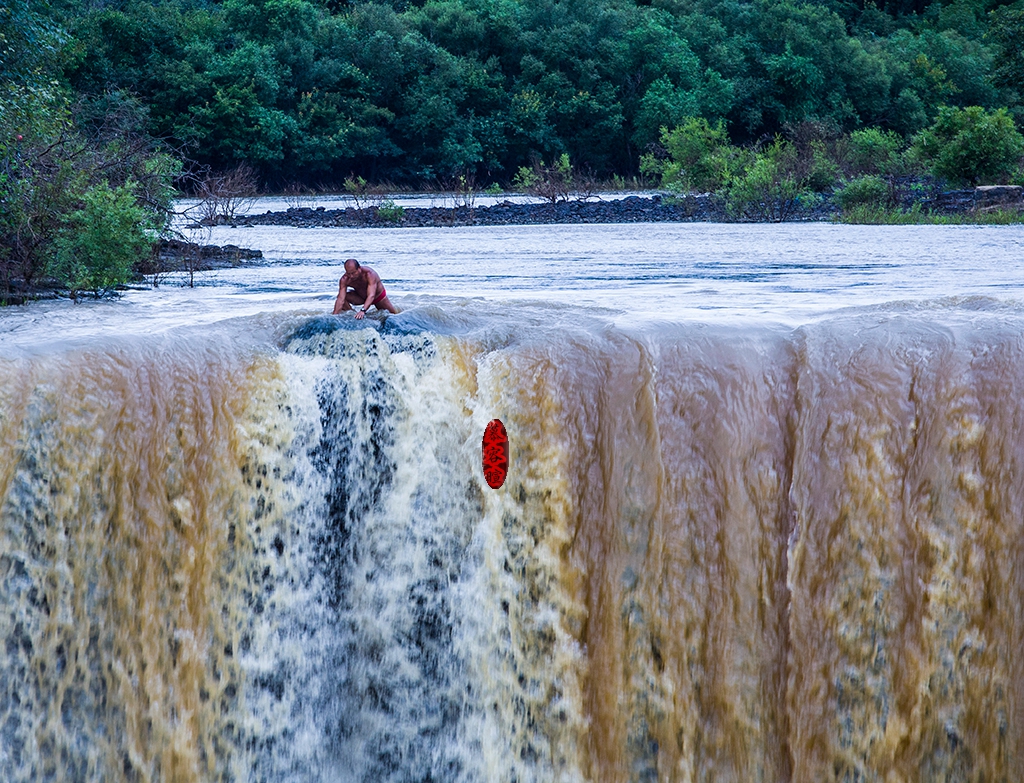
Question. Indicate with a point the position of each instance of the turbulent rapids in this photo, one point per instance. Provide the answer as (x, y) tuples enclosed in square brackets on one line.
[(721, 554)]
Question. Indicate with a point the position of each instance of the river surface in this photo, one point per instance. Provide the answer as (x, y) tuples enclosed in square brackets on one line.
[(763, 521), (788, 273)]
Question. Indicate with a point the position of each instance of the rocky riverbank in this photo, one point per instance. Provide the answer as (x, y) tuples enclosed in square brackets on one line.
[(632, 209), (174, 255)]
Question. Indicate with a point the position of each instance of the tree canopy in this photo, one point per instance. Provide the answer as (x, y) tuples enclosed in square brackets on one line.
[(413, 91)]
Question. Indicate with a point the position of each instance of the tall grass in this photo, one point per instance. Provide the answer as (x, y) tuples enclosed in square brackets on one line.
[(874, 215)]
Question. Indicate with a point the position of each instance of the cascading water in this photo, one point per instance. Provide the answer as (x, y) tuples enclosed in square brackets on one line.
[(722, 554)]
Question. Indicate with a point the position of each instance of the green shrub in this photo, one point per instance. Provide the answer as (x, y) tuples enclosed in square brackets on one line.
[(390, 212), (100, 242), (970, 146), (525, 179), (358, 190), (870, 190), (875, 151), (768, 189), (824, 171), (700, 157)]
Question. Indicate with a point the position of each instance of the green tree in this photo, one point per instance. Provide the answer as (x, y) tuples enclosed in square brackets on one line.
[(971, 145), (33, 114), (930, 69), (869, 190), (29, 43), (560, 181), (100, 242), (807, 66), (1007, 33), (55, 155)]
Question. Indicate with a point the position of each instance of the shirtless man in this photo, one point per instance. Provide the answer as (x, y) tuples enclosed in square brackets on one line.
[(360, 285)]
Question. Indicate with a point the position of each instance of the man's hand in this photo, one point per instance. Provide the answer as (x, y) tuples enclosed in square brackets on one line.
[(359, 314)]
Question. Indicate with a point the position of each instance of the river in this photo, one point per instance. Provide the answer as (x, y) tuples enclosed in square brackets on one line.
[(764, 519)]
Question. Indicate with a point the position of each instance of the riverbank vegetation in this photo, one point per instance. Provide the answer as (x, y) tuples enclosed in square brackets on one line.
[(771, 104), (899, 216), (84, 194), (869, 172)]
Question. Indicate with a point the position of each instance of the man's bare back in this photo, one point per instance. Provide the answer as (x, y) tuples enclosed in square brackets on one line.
[(360, 285)]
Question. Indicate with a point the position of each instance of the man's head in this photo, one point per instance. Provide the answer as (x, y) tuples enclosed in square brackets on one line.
[(351, 266)]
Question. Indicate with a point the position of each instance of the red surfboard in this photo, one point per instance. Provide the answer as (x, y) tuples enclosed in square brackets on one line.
[(495, 454)]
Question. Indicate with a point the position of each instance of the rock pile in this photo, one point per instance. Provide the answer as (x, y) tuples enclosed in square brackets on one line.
[(174, 255), (998, 196), (632, 209)]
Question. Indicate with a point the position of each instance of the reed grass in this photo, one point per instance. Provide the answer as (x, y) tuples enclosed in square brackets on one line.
[(870, 214)]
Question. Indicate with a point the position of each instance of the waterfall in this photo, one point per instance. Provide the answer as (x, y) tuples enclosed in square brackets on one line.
[(722, 553)]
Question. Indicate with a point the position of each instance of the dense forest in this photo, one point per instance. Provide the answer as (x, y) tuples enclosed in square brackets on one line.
[(318, 89), (105, 103)]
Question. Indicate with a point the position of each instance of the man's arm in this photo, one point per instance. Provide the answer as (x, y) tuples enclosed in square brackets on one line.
[(339, 303), (371, 292)]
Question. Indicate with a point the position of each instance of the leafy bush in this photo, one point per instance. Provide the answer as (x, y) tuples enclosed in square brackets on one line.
[(525, 179), (970, 146), (100, 242), (869, 190), (32, 109), (390, 212), (35, 188), (359, 191), (823, 170), (462, 188), (875, 151), (46, 178), (699, 157), (768, 188)]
